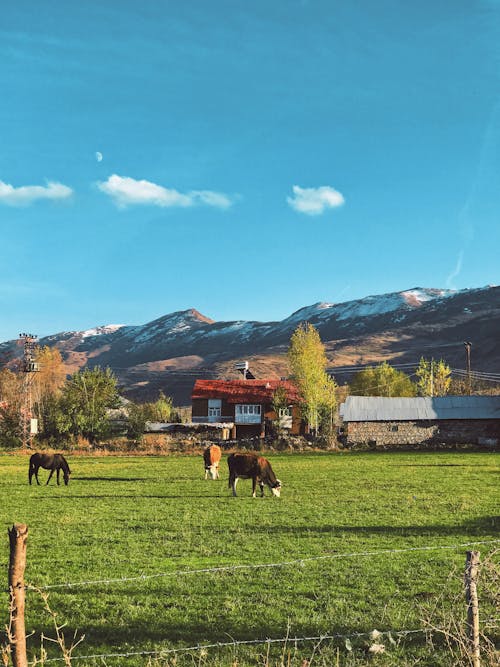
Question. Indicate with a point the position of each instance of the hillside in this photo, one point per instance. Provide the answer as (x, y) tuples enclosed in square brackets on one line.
[(400, 327)]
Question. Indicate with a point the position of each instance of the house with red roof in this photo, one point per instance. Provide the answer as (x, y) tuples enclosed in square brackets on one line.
[(246, 406)]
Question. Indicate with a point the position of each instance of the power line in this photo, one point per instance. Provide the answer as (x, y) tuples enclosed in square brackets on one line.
[(383, 385)]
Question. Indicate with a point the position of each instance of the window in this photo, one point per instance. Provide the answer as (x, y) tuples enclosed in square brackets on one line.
[(214, 407), (394, 428), (248, 409), (285, 412)]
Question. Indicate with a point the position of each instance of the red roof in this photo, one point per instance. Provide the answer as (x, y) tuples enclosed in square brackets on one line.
[(244, 391)]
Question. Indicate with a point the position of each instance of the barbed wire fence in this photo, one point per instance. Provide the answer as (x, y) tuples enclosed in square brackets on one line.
[(258, 566), (18, 590)]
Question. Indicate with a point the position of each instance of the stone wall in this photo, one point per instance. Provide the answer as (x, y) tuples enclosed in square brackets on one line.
[(395, 433)]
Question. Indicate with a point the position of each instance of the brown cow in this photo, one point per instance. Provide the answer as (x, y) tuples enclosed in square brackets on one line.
[(246, 466), (211, 456)]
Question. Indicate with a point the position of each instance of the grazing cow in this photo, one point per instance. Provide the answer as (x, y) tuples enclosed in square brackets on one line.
[(211, 456), (246, 466)]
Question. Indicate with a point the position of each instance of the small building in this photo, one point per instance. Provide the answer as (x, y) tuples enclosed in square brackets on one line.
[(246, 404), (381, 422)]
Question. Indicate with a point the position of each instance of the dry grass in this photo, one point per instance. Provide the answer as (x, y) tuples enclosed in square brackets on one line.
[(450, 626)]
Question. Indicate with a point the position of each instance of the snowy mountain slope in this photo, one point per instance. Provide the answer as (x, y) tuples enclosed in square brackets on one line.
[(370, 306), (410, 323)]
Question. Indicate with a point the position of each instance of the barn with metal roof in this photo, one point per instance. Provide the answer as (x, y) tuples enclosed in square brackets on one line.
[(382, 421)]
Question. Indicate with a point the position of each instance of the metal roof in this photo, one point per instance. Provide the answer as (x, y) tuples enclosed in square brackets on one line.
[(377, 408)]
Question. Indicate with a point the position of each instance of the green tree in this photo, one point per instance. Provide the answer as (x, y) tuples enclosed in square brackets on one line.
[(382, 380), (54, 419), (11, 393), (137, 418), (328, 407), (308, 362), (161, 410), (86, 398), (11, 430), (434, 377)]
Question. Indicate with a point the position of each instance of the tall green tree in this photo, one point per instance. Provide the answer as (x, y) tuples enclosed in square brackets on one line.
[(434, 377), (11, 393), (11, 429), (328, 408), (308, 362), (382, 380), (86, 398)]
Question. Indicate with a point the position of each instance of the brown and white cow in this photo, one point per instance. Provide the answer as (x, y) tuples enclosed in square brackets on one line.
[(211, 456), (254, 467)]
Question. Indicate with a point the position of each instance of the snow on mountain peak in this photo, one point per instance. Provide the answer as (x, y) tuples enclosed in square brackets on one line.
[(99, 331), (369, 306), (387, 303), (417, 296)]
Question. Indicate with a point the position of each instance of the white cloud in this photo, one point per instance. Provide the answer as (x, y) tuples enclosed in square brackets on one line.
[(450, 280), (27, 194), (314, 201), (127, 191), (211, 198)]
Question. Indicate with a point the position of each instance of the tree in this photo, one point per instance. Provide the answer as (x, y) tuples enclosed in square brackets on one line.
[(161, 409), (382, 380), (11, 429), (328, 407), (11, 393), (51, 375), (86, 397), (308, 362), (442, 378), (137, 418), (10, 387), (434, 377), (47, 389)]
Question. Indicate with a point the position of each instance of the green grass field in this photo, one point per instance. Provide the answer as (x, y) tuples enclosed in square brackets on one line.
[(123, 517)]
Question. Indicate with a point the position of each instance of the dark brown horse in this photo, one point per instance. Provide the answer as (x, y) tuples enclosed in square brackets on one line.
[(50, 462)]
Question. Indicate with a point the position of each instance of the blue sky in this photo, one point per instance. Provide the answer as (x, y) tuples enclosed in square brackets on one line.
[(242, 158)]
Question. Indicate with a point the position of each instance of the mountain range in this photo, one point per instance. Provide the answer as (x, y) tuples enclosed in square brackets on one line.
[(170, 352)]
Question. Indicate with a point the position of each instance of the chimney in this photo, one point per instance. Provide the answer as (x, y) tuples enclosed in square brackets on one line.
[(242, 367)]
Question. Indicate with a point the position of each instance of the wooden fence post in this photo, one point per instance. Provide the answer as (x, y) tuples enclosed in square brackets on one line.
[(18, 536), (471, 571)]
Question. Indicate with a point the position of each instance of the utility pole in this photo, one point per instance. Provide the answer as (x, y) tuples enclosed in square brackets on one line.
[(468, 346), (30, 367)]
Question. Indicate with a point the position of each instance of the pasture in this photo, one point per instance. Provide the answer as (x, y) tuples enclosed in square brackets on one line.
[(156, 517)]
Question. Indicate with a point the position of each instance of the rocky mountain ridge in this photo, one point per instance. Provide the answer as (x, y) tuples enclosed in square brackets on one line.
[(171, 351)]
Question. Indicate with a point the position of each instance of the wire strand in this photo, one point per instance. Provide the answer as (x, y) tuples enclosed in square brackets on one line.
[(242, 642), (255, 566)]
